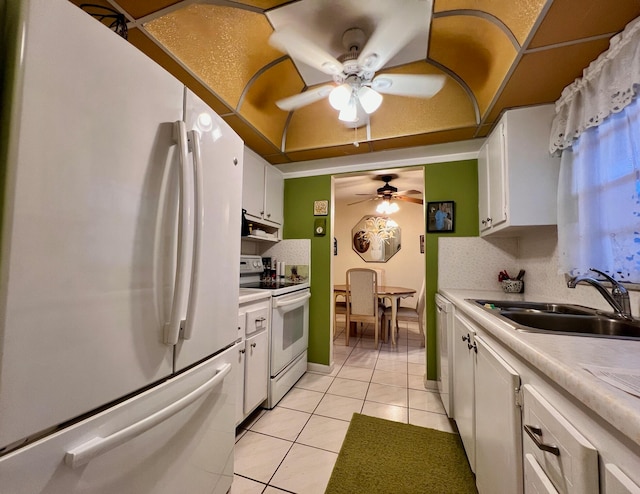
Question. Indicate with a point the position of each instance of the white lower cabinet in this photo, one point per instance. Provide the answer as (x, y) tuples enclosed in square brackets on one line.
[(498, 423), (568, 459), (535, 480), (616, 482), (253, 357), (463, 385), (486, 411), (256, 371), (522, 431)]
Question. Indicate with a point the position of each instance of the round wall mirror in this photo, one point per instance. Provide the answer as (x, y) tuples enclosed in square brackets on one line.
[(375, 238)]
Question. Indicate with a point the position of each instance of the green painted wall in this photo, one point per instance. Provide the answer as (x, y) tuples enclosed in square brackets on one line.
[(299, 195), (456, 181), (453, 181)]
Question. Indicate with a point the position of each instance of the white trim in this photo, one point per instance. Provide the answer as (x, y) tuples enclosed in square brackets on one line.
[(320, 368), (423, 155)]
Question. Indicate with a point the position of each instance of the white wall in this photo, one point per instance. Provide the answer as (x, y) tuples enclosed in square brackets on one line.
[(406, 268)]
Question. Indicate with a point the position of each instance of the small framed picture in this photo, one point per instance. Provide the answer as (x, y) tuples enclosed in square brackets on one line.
[(320, 208), (440, 217)]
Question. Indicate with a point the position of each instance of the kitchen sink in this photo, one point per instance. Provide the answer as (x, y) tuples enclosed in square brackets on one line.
[(562, 319), (545, 307)]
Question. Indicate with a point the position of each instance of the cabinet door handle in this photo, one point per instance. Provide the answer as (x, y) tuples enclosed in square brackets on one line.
[(261, 320), (466, 338), (253, 345), (242, 350), (489, 220), (535, 433), (474, 346)]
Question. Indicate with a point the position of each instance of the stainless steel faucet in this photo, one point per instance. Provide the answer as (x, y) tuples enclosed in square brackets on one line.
[(618, 298)]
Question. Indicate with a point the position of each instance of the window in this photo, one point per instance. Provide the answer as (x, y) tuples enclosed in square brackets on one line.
[(597, 130)]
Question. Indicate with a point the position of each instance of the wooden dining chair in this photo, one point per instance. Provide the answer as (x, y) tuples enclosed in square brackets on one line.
[(362, 301), (408, 314), (339, 308)]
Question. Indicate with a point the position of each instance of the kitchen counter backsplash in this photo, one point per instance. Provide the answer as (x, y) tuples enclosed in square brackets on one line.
[(293, 251), (474, 263)]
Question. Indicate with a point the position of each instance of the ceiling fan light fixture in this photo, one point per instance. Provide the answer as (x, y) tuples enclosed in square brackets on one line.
[(349, 113), (387, 207), (340, 96), (369, 99)]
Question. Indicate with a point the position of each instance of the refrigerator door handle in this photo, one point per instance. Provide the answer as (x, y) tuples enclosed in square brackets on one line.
[(185, 227), (194, 140), (83, 454)]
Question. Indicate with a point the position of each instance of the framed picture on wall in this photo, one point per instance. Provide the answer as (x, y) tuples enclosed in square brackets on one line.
[(440, 217)]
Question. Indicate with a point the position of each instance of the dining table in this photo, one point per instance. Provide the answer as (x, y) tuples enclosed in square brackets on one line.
[(391, 293)]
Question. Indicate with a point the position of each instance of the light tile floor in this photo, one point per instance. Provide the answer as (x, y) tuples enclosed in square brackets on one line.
[(293, 447)]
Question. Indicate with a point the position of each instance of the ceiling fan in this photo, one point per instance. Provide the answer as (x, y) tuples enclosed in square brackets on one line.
[(388, 192), (356, 91)]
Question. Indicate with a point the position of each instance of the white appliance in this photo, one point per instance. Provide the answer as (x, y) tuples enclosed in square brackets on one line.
[(118, 296), (444, 324), (289, 338)]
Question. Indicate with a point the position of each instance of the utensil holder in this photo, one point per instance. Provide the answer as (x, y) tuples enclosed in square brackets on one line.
[(513, 286)]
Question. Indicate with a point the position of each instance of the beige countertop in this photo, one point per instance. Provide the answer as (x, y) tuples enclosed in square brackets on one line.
[(561, 359)]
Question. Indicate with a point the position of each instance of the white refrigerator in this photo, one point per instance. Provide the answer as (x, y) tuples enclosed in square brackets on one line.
[(120, 242)]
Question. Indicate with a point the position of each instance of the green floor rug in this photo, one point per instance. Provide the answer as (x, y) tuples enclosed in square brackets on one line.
[(381, 456)]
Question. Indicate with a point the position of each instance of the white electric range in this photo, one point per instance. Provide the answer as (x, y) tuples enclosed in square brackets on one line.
[(289, 336)]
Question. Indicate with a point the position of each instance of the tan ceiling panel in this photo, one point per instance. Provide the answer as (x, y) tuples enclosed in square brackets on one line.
[(552, 70), (398, 115), (259, 105), (476, 50), (317, 126), (140, 8), (250, 137), (424, 139), (569, 20), (519, 16), (144, 44), (218, 44)]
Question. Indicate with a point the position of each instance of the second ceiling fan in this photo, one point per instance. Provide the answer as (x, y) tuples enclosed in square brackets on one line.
[(388, 192), (356, 90)]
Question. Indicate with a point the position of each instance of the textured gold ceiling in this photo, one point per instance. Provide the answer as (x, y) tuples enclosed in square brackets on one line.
[(495, 54)]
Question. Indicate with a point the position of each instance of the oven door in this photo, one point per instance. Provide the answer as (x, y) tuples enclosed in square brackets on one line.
[(289, 328)]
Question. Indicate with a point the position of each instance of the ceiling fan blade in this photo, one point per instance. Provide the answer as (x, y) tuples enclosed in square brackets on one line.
[(363, 200), (304, 50), (304, 98), (406, 192), (417, 85), (408, 199), (392, 34)]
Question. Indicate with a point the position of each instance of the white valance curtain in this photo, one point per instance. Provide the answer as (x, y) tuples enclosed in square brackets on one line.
[(607, 86), (597, 132)]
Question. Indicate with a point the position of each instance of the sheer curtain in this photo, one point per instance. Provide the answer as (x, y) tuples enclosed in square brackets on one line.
[(597, 130)]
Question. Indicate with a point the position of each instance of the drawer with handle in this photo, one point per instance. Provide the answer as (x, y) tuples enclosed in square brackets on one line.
[(257, 319), (564, 455)]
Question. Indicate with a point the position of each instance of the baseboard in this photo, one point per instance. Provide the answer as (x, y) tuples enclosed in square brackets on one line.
[(320, 368)]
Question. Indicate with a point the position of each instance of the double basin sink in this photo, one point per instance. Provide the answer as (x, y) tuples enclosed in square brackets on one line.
[(562, 319)]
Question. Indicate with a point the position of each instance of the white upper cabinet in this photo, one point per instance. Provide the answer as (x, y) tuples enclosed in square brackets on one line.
[(517, 177), (262, 190)]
